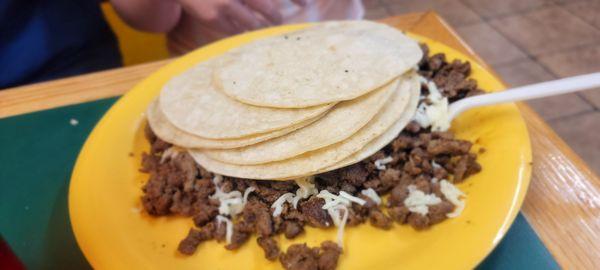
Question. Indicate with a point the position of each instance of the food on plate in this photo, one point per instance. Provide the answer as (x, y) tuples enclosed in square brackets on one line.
[(314, 161), (170, 133), (191, 102), (382, 154), (326, 63), (317, 135)]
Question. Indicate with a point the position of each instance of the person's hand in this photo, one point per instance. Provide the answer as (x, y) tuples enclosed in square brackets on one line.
[(268, 9), (233, 16)]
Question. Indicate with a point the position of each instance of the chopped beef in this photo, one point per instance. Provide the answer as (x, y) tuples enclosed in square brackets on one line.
[(190, 243), (300, 257), (159, 146), (328, 181), (398, 195), (172, 187), (375, 184), (347, 187), (437, 213), (269, 245), (451, 78), (328, 258), (442, 146), (204, 188), (354, 175), (238, 238), (150, 163), (292, 229), (245, 226), (418, 221), (205, 212), (465, 166), (258, 214), (420, 158), (379, 219), (293, 214), (399, 213), (379, 155), (157, 198), (440, 173), (369, 203), (356, 216), (389, 178), (314, 213), (401, 143), (422, 183), (287, 186), (205, 174), (266, 193)]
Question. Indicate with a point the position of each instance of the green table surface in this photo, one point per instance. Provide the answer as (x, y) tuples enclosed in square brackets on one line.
[(37, 153)]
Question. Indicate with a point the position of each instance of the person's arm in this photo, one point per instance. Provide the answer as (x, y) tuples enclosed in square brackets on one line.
[(226, 16), (149, 15)]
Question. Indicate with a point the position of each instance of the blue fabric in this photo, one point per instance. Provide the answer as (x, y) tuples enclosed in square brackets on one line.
[(521, 248), (48, 39)]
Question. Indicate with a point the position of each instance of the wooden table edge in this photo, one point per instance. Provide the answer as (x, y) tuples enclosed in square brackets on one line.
[(547, 220)]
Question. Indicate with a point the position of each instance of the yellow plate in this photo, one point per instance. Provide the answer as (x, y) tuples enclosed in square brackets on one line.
[(114, 232)]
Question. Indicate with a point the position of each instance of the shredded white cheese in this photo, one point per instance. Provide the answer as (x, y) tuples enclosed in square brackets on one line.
[(339, 221), (228, 227), (230, 203), (170, 153), (435, 165), (336, 203), (327, 196), (278, 204), (421, 116), (217, 180), (380, 163), (351, 198), (332, 200), (246, 193), (371, 194), (453, 194), (231, 207), (307, 188), (419, 202), (436, 113)]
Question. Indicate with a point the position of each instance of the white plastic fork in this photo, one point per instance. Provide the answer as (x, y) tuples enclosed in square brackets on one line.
[(532, 91)]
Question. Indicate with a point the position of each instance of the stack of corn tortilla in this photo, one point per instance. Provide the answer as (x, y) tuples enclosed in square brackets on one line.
[(293, 105)]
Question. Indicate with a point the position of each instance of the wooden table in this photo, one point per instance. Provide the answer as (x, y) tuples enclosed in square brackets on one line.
[(563, 202)]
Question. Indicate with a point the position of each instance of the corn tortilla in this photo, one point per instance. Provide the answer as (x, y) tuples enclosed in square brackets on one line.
[(170, 133), (384, 139), (329, 62), (312, 162), (191, 103), (343, 120)]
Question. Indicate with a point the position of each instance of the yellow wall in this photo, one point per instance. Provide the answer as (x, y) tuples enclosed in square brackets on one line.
[(136, 47)]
